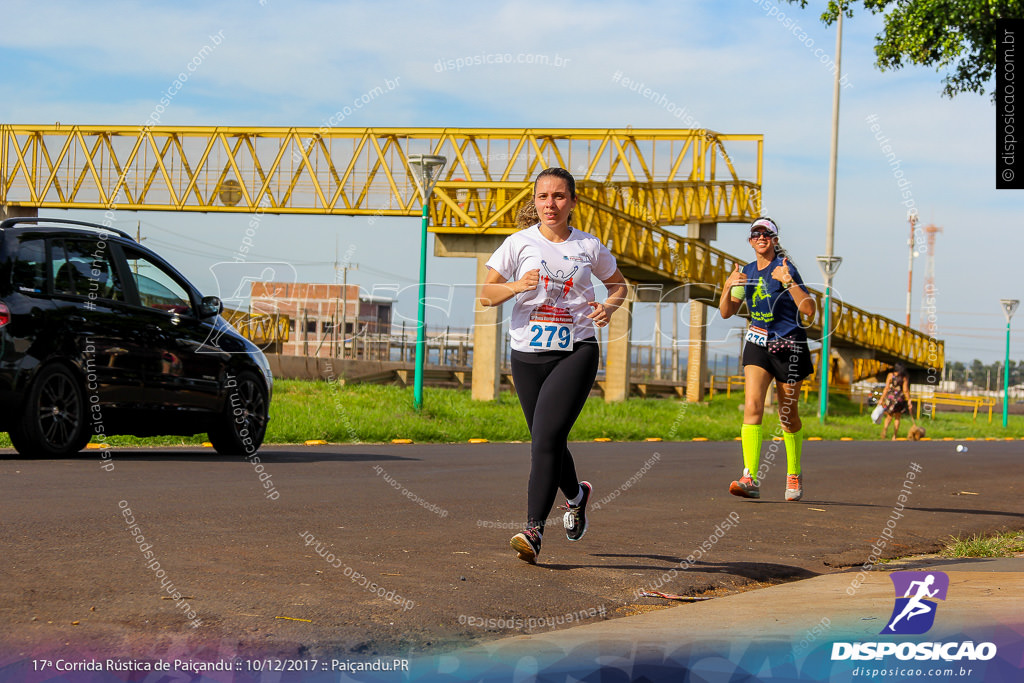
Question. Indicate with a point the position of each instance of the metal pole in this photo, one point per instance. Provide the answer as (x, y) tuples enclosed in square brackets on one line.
[(657, 339), (1006, 375), (344, 309), (826, 329), (675, 345), (1009, 307), (417, 391), (825, 364), (910, 265), (426, 168)]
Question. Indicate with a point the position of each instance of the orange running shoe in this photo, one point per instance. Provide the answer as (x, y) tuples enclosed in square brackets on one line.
[(745, 486), (794, 486)]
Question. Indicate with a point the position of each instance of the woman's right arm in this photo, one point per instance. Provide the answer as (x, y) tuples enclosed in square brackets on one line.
[(728, 306), (496, 290)]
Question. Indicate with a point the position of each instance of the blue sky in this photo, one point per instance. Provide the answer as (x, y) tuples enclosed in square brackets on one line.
[(737, 66)]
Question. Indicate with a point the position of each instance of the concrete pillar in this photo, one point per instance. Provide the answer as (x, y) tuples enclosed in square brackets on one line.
[(9, 211), (617, 365), (844, 374), (486, 343), (487, 335), (697, 362)]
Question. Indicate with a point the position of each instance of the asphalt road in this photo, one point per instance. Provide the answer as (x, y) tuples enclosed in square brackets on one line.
[(403, 549)]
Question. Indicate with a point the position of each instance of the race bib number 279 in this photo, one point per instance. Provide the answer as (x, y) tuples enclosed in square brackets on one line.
[(551, 328), (551, 336)]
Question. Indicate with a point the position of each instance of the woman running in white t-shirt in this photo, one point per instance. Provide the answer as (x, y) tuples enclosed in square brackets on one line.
[(547, 267)]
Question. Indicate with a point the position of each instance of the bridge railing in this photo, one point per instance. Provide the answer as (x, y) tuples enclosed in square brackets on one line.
[(259, 328)]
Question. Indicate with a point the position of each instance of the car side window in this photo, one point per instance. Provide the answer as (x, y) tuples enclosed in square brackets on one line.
[(157, 288), (84, 267), (69, 276), (29, 272)]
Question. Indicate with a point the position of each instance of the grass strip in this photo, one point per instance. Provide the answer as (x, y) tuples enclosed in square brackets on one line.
[(1006, 544), (304, 410)]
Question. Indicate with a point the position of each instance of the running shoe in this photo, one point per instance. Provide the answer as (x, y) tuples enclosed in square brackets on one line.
[(745, 487), (575, 518), (527, 544), (794, 486)]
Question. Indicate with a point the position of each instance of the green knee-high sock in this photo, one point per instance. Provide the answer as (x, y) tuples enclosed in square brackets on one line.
[(750, 435), (794, 442)]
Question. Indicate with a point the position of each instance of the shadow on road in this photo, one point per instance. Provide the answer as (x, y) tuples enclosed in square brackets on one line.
[(759, 571), (955, 511), (211, 456)]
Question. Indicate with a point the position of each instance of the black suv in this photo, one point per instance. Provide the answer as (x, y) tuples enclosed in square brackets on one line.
[(100, 336)]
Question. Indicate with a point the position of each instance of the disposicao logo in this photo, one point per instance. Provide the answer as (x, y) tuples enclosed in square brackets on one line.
[(916, 593), (914, 614)]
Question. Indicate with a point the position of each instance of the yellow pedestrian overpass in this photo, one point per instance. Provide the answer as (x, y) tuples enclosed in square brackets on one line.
[(654, 196)]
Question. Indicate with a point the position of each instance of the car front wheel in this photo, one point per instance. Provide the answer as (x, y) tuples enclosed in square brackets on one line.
[(55, 422), (243, 424)]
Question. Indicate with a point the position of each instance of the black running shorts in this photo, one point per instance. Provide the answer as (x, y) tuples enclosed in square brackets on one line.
[(787, 360)]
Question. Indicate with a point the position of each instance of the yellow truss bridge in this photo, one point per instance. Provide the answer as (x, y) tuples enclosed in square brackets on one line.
[(631, 183)]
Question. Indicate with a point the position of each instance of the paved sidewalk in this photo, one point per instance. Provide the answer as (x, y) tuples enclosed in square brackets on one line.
[(780, 633)]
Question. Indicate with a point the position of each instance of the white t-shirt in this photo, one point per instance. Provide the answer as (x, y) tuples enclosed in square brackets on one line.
[(553, 316)]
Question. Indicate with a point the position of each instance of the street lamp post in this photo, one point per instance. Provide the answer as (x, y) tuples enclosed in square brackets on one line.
[(829, 263), (1009, 307), (426, 168)]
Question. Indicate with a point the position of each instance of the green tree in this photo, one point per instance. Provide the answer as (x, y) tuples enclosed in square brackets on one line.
[(958, 36), (956, 371), (977, 373)]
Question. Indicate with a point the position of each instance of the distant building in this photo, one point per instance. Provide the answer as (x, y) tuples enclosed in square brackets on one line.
[(321, 316)]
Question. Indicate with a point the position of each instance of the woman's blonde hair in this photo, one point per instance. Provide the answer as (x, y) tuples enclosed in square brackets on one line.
[(527, 215)]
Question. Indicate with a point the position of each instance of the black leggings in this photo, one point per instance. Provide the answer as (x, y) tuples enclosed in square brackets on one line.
[(552, 388)]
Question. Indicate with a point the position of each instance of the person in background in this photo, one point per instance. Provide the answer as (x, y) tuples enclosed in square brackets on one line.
[(895, 400)]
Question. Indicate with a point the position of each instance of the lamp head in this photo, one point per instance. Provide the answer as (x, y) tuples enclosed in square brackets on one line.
[(426, 169)]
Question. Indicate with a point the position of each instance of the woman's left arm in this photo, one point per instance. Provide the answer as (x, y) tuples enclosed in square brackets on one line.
[(804, 303), (602, 312)]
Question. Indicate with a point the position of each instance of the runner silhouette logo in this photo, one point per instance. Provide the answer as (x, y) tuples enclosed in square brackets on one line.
[(916, 593)]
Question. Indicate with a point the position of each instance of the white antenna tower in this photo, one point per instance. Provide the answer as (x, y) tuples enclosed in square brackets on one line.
[(928, 322)]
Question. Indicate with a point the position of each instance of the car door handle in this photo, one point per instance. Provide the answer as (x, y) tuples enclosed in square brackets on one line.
[(76, 319)]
